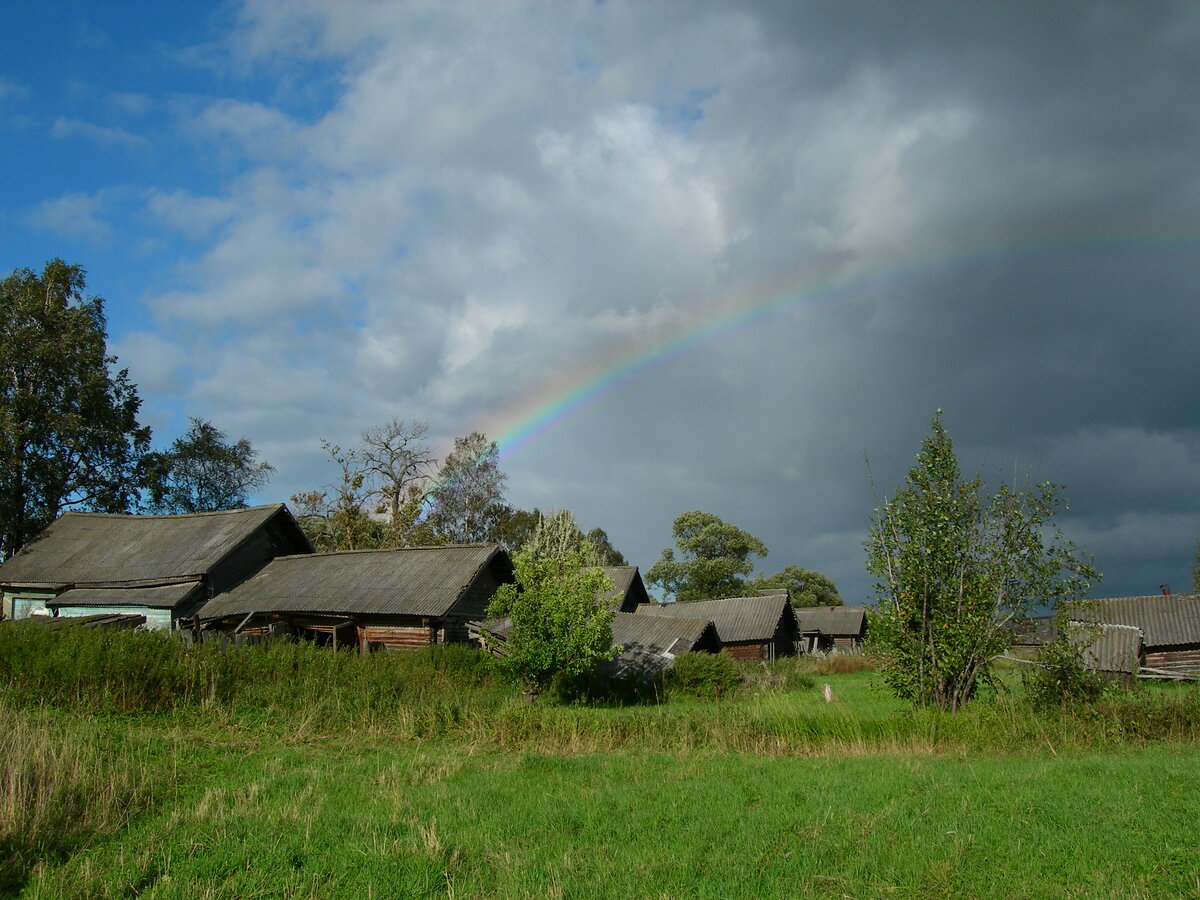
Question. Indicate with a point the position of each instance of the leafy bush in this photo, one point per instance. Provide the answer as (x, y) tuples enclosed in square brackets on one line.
[(599, 688), (1061, 679), (709, 676)]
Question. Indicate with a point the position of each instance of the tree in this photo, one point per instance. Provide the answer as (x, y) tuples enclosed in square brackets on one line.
[(556, 533), (468, 495), (69, 434), (955, 568), (203, 471), (804, 587), (558, 625), (716, 556), (336, 518), (395, 462)]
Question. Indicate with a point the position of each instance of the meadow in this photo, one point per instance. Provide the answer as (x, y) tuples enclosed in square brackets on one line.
[(136, 768)]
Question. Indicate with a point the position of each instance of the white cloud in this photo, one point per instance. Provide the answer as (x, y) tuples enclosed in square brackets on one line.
[(75, 216), (63, 128)]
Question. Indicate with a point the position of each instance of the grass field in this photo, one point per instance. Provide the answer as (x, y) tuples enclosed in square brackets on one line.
[(772, 793)]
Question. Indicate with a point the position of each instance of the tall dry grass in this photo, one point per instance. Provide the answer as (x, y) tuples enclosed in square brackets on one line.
[(60, 784)]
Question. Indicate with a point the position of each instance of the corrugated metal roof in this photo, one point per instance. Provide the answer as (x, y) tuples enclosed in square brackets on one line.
[(91, 548), (737, 619), (158, 597), (1165, 619), (416, 581), (832, 620), (1108, 648)]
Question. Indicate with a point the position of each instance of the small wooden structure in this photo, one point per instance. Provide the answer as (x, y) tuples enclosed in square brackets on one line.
[(370, 599), (831, 628), (1170, 626), (758, 628), (160, 567)]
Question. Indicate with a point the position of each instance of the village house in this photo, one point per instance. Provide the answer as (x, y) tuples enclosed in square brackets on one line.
[(371, 599), (160, 567)]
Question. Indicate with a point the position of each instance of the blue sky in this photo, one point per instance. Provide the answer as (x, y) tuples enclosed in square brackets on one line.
[(308, 218)]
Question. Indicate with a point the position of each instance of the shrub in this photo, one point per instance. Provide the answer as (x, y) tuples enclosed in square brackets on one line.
[(709, 676), (1060, 678)]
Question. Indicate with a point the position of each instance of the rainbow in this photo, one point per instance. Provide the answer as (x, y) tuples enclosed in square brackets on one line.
[(534, 416)]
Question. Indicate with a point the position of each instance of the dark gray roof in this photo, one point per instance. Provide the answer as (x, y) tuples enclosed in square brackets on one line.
[(1108, 648), (99, 548), (628, 588), (101, 620), (657, 634), (737, 619), (413, 581), (158, 597), (832, 620), (1165, 619)]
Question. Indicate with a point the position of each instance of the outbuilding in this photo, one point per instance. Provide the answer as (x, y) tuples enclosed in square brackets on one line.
[(831, 628)]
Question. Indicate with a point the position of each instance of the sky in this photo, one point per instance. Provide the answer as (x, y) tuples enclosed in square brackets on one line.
[(671, 255)]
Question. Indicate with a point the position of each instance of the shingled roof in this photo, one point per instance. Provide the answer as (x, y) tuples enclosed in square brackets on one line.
[(737, 619), (1166, 620), (97, 548), (413, 581)]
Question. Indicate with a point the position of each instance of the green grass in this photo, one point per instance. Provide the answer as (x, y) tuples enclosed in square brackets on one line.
[(380, 820), (297, 772)]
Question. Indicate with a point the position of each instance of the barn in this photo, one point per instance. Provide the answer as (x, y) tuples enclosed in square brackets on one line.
[(759, 628), (160, 567), (371, 599)]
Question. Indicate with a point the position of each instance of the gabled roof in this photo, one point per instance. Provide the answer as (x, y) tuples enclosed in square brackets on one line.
[(832, 620), (100, 548), (737, 619), (628, 588), (413, 581), (1165, 619)]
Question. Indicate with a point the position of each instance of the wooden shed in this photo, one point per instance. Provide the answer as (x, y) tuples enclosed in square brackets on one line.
[(374, 599), (831, 628), (1170, 626), (161, 567), (762, 627)]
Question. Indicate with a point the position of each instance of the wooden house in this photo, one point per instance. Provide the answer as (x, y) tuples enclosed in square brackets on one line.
[(371, 599), (762, 627), (1170, 626), (831, 628), (161, 567)]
